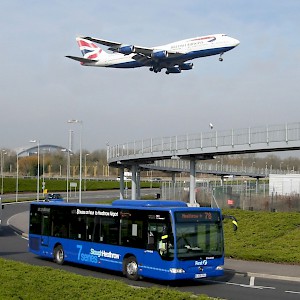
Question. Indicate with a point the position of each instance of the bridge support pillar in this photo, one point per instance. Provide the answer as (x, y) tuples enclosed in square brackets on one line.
[(256, 185), (138, 184), (192, 181), (222, 180), (174, 184), (133, 182), (122, 183)]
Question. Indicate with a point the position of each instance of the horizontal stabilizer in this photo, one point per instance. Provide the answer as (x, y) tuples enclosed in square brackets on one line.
[(81, 59)]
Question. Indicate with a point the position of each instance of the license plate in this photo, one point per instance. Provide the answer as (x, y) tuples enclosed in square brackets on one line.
[(200, 276)]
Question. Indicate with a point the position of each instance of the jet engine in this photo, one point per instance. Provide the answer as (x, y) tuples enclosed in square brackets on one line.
[(186, 66), (128, 49), (159, 54)]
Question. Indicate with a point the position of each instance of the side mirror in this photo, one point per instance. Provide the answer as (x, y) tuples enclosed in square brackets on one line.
[(234, 221)]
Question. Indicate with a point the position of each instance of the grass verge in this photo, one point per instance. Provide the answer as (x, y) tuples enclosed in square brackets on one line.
[(264, 236), (23, 281)]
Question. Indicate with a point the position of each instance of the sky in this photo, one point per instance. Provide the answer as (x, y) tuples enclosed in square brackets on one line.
[(258, 83)]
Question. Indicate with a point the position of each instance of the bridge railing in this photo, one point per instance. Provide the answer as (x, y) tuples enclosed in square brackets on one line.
[(212, 139)]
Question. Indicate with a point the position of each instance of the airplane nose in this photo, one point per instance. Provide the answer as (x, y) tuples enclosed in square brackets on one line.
[(236, 42)]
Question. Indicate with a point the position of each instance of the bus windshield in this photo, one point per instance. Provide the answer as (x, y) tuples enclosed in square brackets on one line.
[(198, 235)]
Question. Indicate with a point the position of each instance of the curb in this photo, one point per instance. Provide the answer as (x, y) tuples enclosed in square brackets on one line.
[(276, 277), (266, 276)]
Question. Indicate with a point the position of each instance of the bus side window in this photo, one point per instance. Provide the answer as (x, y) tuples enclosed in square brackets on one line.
[(109, 231), (96, 231), (35, 222), (89, 228)]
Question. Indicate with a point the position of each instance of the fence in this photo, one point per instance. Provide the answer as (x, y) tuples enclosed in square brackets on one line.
[(246, 196)]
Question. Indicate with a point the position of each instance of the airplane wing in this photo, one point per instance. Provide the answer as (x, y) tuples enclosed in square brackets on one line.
[(81, 59), (103, 42), (116, 47)]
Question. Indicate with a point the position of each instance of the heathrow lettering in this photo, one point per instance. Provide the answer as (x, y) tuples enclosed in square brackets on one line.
[(97, 213), (95, 255)]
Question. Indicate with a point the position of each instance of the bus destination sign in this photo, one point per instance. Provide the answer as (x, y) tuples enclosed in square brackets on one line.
[(198, 216)]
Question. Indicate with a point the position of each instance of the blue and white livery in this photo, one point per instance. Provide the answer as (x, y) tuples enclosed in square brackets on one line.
[(173, 57)]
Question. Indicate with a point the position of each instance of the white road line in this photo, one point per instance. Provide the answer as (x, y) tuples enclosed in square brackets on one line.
[(252, 281), (251, 286), (292, 292)]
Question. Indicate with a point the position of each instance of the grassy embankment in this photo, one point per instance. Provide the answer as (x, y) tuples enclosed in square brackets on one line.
[(264, 236), (23, 281)]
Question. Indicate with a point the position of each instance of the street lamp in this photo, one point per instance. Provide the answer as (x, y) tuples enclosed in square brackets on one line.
[(3, 152), (85, 173), (68, 170), (17, 179), (80, 155), (38, 169)]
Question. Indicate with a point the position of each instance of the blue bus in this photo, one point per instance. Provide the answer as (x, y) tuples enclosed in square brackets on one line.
[(165, 240)]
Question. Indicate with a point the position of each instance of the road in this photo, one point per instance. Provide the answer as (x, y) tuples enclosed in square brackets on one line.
[(86, 196), (233, 285)]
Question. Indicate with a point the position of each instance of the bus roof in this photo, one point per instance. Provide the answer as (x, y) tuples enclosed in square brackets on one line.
[(134, 204), (149, 203)]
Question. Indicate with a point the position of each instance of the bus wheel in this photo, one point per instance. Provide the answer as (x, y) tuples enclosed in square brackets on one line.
[(59, 255), (131, 268)]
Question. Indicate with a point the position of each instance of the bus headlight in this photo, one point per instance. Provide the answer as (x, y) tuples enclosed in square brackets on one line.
[(176, 271), (219, 268)]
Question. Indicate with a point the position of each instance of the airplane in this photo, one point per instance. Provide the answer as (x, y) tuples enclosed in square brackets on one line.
[(174, 57)]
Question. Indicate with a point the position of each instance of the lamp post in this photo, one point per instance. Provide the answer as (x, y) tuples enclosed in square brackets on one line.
[(80, 154), (38, 169), (68, 170), (85, 170), (3, 152), (17, 179)]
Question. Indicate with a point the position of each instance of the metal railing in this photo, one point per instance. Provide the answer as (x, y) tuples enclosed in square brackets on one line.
[(213, 141)]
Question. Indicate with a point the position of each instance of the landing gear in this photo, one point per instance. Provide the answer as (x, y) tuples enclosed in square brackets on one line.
[(155, 69), (220, 58)]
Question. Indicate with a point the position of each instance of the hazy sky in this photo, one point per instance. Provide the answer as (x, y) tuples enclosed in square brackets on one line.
[(258, 82)]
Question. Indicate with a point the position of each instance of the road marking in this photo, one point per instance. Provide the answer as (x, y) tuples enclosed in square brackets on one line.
[(292, 292), (270, 276), (259, 287), (252, 281)]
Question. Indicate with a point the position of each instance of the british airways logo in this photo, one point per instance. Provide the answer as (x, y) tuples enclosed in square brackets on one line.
[(89, 50), (208, 39)]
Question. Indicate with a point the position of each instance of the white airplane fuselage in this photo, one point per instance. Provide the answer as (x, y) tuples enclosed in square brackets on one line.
[(174, 56), (188, 49)]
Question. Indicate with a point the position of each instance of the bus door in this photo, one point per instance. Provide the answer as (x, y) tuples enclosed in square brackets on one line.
[(45, 229)]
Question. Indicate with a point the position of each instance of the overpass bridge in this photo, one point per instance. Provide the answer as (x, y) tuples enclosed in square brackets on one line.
[(202, 146)]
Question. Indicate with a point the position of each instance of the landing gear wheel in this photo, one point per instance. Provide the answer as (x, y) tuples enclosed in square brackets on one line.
[(131, 268), (59, 255), (220, 59)]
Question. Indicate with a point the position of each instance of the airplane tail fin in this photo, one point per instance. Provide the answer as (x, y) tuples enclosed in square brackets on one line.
[(91, 53), (89, 50)]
